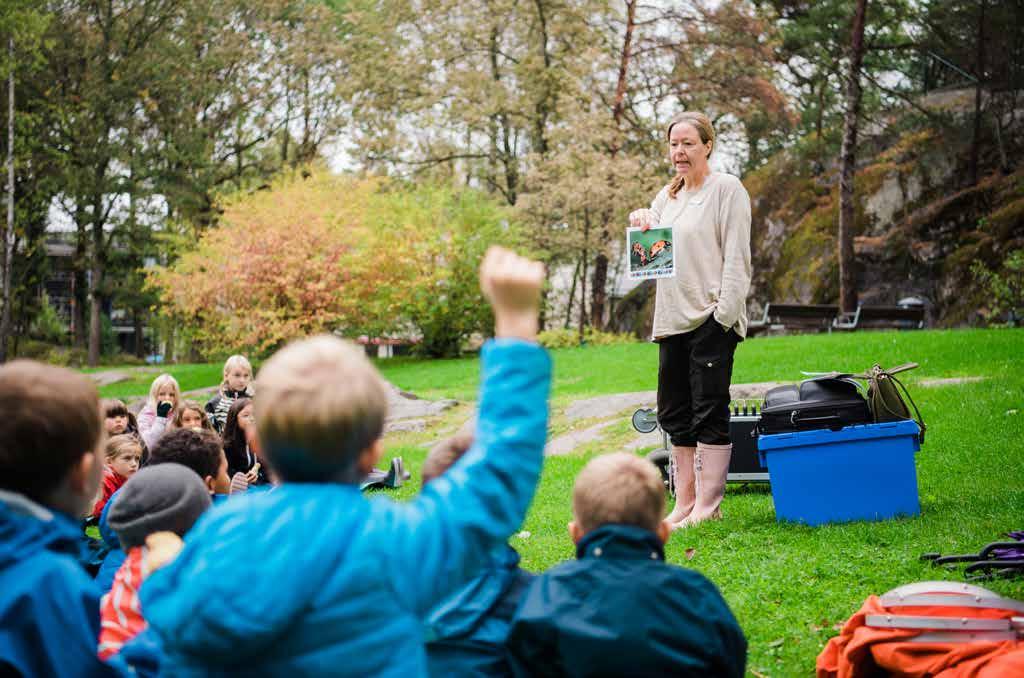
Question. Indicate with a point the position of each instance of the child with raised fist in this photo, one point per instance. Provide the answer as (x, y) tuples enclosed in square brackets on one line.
[(372, 569)]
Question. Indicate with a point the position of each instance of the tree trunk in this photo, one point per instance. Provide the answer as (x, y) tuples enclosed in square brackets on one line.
[(79, 286), (572, 294), (583, 274), (8, 259), (848, 165), (599, 290), (96, 279), (979, 79), (600, 282), (140, 335)]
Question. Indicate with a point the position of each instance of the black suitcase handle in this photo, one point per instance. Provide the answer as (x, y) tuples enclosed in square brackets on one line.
[(793, 418)]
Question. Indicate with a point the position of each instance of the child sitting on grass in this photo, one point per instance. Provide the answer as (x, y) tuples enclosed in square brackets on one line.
[(160, 408), (465, 633), (199, 451), (118, 420), (620, 609), (237, 377), (51, 462), (240, 443), (314, 578), (123, 456), (166, 497), (191, 415)]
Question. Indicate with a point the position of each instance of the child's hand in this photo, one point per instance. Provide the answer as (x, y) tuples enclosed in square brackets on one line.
[(162, 548), (512, 284), (164, 408)]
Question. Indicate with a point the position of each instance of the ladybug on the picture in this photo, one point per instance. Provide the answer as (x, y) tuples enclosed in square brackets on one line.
[(640, 252), (660, 246)]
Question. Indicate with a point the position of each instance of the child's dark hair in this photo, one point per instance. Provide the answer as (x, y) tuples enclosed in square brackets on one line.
[(233, 435), (50, 419), (199, 450), (444, 455), (112, 407)]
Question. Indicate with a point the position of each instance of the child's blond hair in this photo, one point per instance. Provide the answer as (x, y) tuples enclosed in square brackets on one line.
[(159, 383), (231, 363), (120, 443), (618, 488), (321, 404), (186, 405)]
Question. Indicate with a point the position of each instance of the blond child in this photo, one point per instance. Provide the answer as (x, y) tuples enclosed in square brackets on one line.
[(123, 457), (236, 383), (343, 582), (619, 609), (161, 406)]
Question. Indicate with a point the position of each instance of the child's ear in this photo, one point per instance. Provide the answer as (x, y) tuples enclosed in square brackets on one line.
[(370, 456), (575, 531), (83, 484), (664, 531), (211, 483)]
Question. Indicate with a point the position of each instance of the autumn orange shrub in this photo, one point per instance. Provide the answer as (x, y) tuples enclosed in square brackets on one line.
[(329, 253)]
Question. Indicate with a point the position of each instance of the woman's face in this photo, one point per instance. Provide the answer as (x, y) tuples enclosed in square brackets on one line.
[(689, 155)]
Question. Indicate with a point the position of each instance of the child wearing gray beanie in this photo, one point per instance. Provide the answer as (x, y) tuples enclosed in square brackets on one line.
[(166, 497)]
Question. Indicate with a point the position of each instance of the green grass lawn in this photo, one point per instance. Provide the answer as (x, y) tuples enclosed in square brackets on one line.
[(788, 585)]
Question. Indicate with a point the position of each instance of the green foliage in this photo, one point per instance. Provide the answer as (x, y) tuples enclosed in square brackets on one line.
[(65, 356), (324, 253), (443, 234), (47, 325), (568, 338), (1003, 287)]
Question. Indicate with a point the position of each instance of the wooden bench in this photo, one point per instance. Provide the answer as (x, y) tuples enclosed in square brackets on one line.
[(900, 317), (816, 317)]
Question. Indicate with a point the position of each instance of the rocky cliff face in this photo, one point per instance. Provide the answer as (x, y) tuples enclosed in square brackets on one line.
[(920, 226)]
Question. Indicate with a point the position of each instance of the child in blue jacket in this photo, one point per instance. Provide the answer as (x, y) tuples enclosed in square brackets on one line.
[(620, 609), (316, 579), (466, 632), (51, 462)]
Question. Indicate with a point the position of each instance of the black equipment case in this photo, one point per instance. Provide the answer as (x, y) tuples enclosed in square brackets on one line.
[(824, 402)]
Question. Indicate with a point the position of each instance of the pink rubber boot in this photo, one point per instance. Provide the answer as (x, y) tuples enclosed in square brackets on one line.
[(712, 469), (683, 478)]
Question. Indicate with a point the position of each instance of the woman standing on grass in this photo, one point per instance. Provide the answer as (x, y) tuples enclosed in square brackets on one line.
[(699, 315)]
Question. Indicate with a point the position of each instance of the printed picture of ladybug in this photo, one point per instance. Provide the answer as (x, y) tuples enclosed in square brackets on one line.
[(650, 253)]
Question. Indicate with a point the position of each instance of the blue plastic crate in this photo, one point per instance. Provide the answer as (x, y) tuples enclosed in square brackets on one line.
[(857, 473)]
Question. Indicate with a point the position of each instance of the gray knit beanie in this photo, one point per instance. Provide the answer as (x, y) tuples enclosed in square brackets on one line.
[(163, 497)]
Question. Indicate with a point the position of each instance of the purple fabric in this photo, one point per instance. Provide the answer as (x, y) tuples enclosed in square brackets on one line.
[(1012, 552)]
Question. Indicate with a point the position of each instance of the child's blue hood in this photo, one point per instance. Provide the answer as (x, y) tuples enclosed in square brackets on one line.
[(26, 528)]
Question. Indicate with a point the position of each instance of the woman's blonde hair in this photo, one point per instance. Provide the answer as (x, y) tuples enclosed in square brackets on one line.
[(705, 129), (119, 443), (159, 383), (230, 364), (195, 407)]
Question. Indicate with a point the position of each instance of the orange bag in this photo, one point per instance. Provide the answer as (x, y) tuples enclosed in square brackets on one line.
[(929, 629)]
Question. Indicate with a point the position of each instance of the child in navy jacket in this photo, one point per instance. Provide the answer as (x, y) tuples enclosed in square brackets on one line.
[(620, 609)]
